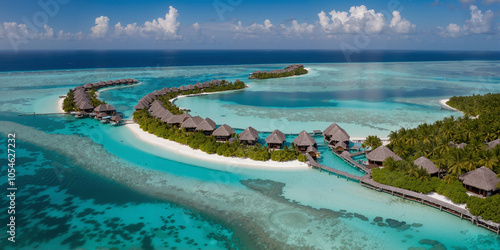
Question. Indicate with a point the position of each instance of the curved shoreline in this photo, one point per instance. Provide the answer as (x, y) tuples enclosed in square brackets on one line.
[(171, 146), (444, 101)]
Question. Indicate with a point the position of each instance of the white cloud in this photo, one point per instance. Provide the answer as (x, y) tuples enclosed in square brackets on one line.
[(22, 32), (70, 36), (196, 27), (358, 20), (296, 28), (479, 23), (101, 27), (256, 30), (164, 28), (467, 2), (130, 30), (400, 25)]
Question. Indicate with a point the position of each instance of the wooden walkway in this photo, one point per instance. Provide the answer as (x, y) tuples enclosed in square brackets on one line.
[(351, 162), (368, 182), (34, 114), (360, 153)]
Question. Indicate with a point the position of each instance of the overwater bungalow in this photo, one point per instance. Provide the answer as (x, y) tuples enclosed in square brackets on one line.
[(174, 89), (334, 134), (163, 113), (116, 82), (177, 120), (249, 136), (164, 91), (109, 83), (156, 93), (123, 81), (129, 81), (378, 155), (149, 98), (192, 123), (493, 144), (303, 141), (198, 85), (313, 152), (79, 87), (482, 181), (190, 87), (340, 147), (428, 165), (105, 108), (207, 126), (115, 120), (275, 140), (223, 133), (85, 106), (206, 85), (95, 85)]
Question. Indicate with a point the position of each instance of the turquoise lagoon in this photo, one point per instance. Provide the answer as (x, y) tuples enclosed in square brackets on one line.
[(99, 186)]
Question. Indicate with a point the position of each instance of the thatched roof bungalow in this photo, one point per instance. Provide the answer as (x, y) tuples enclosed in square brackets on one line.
[(303, 141), (275, 140), (249, 136), (174, 89), (105, 108), (198, 85), (428, 165), (140, 105), (190, 87), (378, 155), (481, 181), (177, 120), (156, 93), (87, 86), (183, 88), (223, 133), (335, 134), (341, 147), (207, 126), (205, 85), (166, 116), (313, 152), (85, 106), (192, 123)]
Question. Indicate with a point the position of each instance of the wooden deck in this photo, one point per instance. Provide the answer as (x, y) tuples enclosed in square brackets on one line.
[(368, 182), (351, 162)]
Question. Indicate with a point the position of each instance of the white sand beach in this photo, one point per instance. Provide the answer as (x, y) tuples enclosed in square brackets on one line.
[(198, 154), (444, 101), (60, 105), (445, 199)]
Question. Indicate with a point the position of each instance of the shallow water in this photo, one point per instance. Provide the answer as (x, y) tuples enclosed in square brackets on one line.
[(100, 180)]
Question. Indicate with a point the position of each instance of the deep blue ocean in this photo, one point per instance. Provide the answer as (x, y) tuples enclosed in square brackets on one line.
[(49, 60)]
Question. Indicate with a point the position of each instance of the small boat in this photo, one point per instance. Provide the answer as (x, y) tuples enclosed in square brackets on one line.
[(104, 121), (78, 116)]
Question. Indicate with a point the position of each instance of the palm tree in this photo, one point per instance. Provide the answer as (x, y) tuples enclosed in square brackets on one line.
[(390, 163), (449, 179), (455, 165), (489, 159), (372, 141)]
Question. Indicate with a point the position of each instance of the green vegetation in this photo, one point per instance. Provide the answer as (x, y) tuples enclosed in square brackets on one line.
[(476, 104), (267, 75), (433, 141), (372, 141), (93, 98), (208, 144), (69, 102)]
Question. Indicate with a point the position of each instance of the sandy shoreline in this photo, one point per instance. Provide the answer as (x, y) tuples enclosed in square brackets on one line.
[(445, 199), (198, 154), (444, 101), (60, 105)]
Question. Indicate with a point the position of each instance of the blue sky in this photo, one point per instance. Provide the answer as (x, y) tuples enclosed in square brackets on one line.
[(243, 24)]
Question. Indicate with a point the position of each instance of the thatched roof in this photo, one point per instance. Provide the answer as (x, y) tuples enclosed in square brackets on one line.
[(179, 118), (426, 164), (155, 111), (340, 135), (109, 82), (163, 113), (157, 103), (493, 144), (156, 93), (140, 105), (84, 105), (224, 130), (182, 88), (205, 85), (381, 153), (166, 116), (345, 154), (148, 98), (82, 98), (104, 108), (116, 118), (78, 87), (311, 149), (276, 137), (304, 139), (192, 122), (482, 178), (116, 81), (340, 144), (87, 85), (198, 85), (129, 80), (249, 134), (190, 87), (206, 125), (123, 80), (332, 129), (173, 89)]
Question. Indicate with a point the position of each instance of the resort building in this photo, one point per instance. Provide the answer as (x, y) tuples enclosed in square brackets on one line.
[(249, 136), (337, 137), (140, 105), (223, 133), (313, 152), (106, 109), (428, 165), (303, 141), (192, 123), (482, 181), (275, 140), (198, 85), (378, 156), (182, 88), (207, 126), (493, 144), (177, 120)]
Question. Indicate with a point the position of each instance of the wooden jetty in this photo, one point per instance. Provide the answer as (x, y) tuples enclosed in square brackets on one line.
[(352, 162), (368, 182), (34, 114)]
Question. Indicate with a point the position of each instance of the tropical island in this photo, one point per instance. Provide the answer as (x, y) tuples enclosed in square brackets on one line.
[(455, 157), (156, 114), (292, 70)]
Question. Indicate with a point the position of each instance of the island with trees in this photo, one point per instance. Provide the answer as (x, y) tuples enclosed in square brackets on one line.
[(456, 146), (292, 70)]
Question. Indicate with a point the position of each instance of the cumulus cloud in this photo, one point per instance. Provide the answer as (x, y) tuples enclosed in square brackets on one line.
[(256, 30), (130, 29), (164, 28), (400, 25), (479, 23), (196, 27), (101, 27), (358, 20)]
